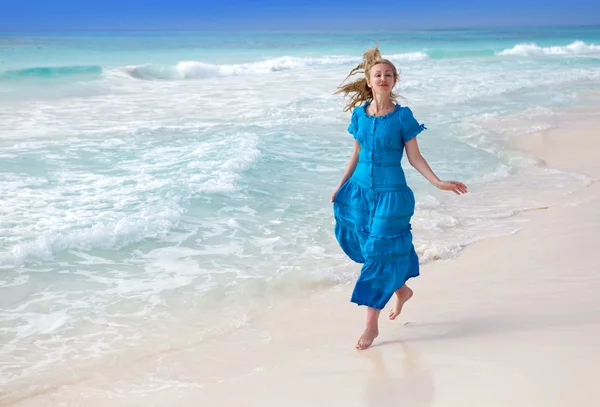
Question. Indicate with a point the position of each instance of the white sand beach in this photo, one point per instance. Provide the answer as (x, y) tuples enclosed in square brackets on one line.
[(513, 321)]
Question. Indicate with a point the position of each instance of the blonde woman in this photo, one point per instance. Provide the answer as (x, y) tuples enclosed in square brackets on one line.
[(372, 203)]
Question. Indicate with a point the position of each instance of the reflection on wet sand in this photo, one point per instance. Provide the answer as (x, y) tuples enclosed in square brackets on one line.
[(408, 383)]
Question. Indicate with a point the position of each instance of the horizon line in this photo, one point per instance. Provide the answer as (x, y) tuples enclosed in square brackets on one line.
[(336, 30)]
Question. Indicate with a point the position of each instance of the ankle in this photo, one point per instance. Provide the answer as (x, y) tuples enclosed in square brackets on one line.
[(404, 290), (372, 327)]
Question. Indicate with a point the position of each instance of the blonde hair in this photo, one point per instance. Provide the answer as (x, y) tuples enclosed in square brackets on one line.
[(359, 90)]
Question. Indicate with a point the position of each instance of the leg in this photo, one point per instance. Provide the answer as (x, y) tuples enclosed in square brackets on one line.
[(403, 294), (371, 331)]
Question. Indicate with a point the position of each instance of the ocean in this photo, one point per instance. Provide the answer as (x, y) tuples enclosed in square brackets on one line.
[(161, 187)]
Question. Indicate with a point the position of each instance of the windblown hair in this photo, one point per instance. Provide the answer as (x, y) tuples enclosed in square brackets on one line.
[(359, 90)]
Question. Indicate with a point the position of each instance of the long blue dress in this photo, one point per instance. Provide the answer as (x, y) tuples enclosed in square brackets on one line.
[(374, 207)]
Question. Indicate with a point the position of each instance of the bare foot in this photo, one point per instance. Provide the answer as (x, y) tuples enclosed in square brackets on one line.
[(402, 295), (367, 338)]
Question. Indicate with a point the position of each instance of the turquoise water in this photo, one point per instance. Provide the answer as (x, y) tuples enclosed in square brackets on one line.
[(155, 180)]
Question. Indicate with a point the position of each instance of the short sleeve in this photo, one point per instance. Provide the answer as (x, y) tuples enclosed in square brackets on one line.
[(353, 127), (410, 127)]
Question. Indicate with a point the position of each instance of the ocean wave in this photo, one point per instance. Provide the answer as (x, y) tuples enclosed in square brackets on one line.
[(411, 56), (52, 72), (533, 50), (139, 200), (150, 223), (196, 69)]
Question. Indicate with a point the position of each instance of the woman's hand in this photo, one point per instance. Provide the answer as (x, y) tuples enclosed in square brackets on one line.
[(457, 187), (333, 194)]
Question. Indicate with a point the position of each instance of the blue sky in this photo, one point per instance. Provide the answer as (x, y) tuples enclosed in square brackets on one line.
[(27, 15)]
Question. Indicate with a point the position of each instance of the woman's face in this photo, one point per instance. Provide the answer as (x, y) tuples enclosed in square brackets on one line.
[(381, 78)]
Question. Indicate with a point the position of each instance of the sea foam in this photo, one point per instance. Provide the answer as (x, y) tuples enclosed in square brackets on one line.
[(531, 49)]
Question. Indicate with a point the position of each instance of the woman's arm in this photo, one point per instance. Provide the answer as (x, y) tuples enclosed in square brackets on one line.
[(350, 167), (420, 164)]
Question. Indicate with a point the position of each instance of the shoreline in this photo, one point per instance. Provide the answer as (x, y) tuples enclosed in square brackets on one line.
[(510, 320), (556, 147)]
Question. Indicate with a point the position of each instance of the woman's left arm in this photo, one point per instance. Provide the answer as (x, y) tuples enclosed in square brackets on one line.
[(420, 164)]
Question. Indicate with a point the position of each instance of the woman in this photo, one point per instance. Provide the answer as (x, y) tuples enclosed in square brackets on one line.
[(372, 203)]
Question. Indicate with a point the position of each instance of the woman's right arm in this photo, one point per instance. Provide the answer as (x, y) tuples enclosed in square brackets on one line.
[(350, 167)]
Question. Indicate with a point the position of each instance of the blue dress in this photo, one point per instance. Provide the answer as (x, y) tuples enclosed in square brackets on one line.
[(373, 208)]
